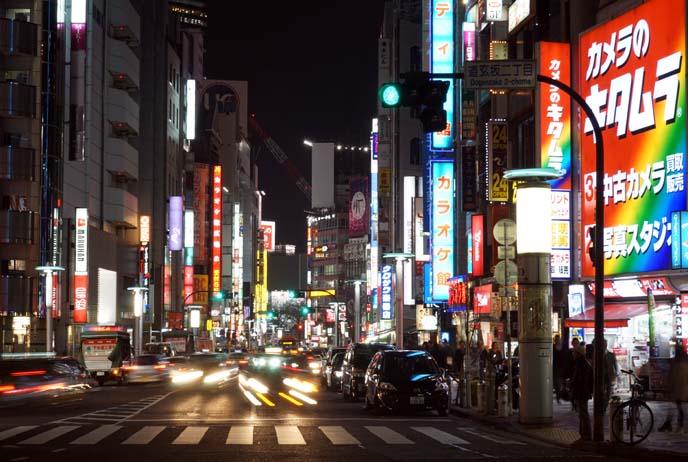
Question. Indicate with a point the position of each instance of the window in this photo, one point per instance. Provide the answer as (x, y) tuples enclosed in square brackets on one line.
[(16, 265)]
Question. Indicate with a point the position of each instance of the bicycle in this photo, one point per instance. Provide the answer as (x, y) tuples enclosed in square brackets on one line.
[(633, 420)]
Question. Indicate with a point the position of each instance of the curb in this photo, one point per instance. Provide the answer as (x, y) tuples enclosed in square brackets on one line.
[(606, 447)]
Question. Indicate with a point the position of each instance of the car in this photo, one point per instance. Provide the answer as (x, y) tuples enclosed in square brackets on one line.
[(356, 360), (305, 363), (147, 368), (333, 372), (406, 379), (23, 378), (212, 370), (327, 358)]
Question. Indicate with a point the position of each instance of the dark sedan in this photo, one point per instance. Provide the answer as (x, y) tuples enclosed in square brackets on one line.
[(407, 379)]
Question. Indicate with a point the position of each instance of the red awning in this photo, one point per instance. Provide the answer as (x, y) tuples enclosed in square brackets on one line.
[(615, 315)]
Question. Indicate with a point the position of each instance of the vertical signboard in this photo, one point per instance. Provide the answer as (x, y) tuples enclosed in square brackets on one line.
[(477, 240), (374, 254), (560, 260), (190, 109), (77, 87), (386, 292), (497, 137), (633, 75), (81, 266), (175, 223), (442, 61), (358, 206), (200, 206), (268, 228), (442, 238), (679, 240), (216, 226)]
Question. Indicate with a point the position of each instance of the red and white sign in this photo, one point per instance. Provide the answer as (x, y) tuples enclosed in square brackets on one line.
[(81, 298), (81, 241), (217, 229), (481, 299), (188, 284), (144, 229), (478, 235), (623, 288), (268, 228)]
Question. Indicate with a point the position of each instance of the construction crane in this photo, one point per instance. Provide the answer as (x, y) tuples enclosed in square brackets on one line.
[(282, 158)]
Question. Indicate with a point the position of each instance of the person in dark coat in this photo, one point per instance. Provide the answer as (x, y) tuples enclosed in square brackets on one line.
[(559, 357), (581, 391), (459, 356)]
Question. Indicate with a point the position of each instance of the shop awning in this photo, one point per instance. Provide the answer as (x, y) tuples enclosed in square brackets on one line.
[(615, 315)]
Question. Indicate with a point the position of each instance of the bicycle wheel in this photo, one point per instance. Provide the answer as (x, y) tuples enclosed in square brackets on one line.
[(632, 422)]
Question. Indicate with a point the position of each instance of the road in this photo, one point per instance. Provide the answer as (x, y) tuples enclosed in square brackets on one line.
[(156, 422)]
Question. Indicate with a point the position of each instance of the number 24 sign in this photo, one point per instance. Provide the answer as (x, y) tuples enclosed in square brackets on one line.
[(498, 188)]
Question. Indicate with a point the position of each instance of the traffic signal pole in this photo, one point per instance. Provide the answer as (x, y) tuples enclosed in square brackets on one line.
[(598, 396)]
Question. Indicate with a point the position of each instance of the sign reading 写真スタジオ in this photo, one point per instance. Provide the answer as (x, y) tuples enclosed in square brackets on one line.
[(633, 77)]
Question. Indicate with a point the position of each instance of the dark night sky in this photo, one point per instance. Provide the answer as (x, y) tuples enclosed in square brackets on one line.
[(311, 67)]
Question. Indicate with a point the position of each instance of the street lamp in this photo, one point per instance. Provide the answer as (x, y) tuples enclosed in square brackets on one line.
[(399, 258), (48, 271), (138, 314), (308, 143), (534, 246), (357, 307)]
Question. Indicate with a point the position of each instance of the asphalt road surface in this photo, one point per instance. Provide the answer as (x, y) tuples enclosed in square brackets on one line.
[(159, 422)]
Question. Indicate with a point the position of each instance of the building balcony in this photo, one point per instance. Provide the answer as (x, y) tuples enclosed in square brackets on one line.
[(123, 113), (17, 100), (17, 294), (121, 208), (17, 163), (125, 24), (123, 61), (121, 158), (16, 227), (18, 38)]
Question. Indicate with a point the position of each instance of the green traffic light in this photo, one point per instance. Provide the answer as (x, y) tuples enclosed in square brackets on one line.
[(305, 310), (270, 315), (291, 294), (390, 95), (219, 295)]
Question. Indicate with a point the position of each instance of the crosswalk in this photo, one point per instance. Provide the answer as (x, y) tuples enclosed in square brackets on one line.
[(89, 435), (114, 414)]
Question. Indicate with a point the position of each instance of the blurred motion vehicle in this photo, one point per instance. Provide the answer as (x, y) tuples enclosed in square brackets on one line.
[(160, 348), (406, 379), (333, 372), (356, 360), (26, 377), (240, 359), (327, 359), (303, 362), (147, 368), (209, 369), (104, 350)]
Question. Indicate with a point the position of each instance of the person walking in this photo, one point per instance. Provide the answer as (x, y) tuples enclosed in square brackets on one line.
[(459, 356), (581, 391), (558, 366), (569, 373), (678, 388)]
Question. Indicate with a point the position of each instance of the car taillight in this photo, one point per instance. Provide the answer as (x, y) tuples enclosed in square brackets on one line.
[(130, 368), (160, 366), (243, 361), (27, 373), (6, 388)]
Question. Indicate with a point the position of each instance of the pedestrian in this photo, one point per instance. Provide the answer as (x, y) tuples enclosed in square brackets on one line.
[(443, 351), (558, 366), (581, 391), (569, 373), (459, 356), (678, 388), (610, 370)]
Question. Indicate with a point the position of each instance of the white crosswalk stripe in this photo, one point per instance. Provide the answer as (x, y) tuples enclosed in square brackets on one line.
[(145, 435), (9, 433), (388, 435), (338, 435), (240, 434), (191, 435), (440, 436), (289, 434), (97, 435), (49, 435)]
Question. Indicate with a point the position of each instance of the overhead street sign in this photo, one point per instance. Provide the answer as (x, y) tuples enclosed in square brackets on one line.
[(511, 74)]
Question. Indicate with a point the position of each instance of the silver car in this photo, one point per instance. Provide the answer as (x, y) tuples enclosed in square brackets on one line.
[(147, 368)]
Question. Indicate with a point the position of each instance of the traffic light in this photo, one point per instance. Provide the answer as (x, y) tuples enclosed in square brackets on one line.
[(291, 294), (419, 92), (270, 315), (221, 295), (592, 233), (305, 310)]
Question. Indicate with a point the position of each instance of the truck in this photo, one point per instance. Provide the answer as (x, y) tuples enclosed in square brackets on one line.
[(104, 349)]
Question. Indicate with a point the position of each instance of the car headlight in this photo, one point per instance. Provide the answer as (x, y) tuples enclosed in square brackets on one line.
[(314, 365), (274, 362), (337, 373)]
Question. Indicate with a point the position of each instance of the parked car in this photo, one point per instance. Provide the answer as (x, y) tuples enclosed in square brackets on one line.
[(406, 379), (327, 359), (333, 372), (23, 378), (147, 368), (356, 360)]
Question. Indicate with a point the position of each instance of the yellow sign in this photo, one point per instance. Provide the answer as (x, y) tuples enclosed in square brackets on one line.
[(209, 324), (200, 285), (322, 293)]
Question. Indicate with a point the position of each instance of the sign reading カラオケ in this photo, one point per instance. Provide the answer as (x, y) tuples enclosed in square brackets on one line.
[(633, 76)]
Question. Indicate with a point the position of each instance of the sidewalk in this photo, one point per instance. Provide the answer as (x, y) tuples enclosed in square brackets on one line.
[(564, 431)]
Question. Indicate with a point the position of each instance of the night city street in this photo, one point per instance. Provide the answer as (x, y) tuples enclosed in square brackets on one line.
[(159, 423)]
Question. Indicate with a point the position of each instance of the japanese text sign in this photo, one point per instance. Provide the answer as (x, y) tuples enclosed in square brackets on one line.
[(442, 239), (442, 61), (386, 292)]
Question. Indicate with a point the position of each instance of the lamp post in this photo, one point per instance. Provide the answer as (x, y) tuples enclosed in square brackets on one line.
[(47, 272), (534, 238), (357, 308), (138, 314), (399, 258)]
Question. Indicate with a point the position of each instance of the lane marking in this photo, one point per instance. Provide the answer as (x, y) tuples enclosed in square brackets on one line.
[(494, 439), (440, 436), (388, 435), (145, 435), (51, 434), (97, 435), (9, 433), (338, 435), (191, 435), (289, 434), (240, 434)]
